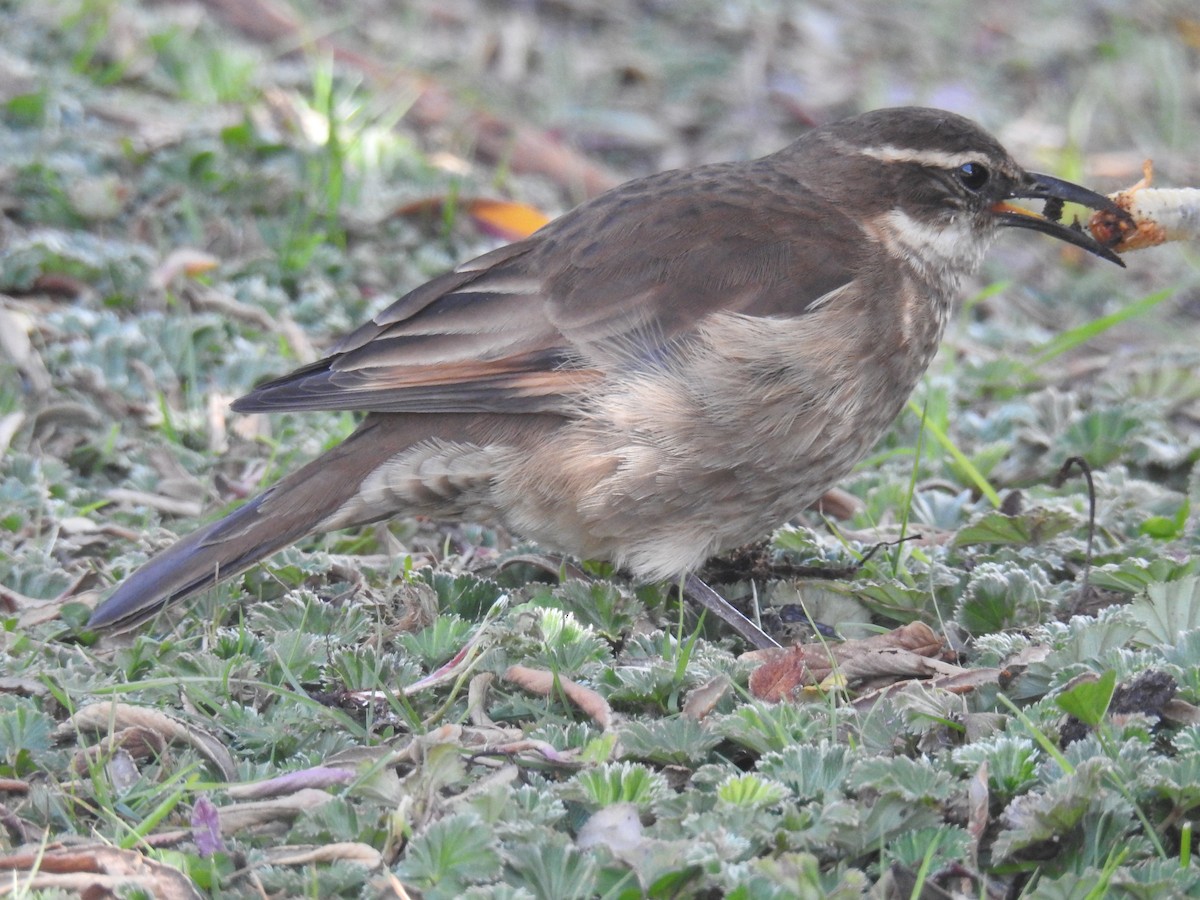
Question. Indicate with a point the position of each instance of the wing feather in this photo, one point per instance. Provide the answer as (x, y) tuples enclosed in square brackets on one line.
[(613, 284)]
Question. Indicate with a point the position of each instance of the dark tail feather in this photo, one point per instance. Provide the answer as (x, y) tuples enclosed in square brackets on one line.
[(198, 561), (280, 516)]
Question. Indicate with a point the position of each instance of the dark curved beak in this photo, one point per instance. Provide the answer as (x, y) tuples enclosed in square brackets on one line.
[(1057, 192)]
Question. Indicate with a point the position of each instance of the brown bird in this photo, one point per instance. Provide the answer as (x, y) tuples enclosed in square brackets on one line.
[(667, 371)]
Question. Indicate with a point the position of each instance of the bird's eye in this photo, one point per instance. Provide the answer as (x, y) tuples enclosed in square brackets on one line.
[(973, 176)]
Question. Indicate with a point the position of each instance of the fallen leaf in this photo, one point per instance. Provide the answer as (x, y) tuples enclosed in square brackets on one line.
[(906, 652), (237, 817), (115, 717), (978, 805), (504, 219), (99, 871), (544, 683), (704, 699), (183, 262), (343, 851), (315, 777)]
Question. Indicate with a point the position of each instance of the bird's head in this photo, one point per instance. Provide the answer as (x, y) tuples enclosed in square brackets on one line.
[(934, 186)]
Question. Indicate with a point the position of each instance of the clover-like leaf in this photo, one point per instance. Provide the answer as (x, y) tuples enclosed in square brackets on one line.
[(1168, 610), (1088, 699), (1033, 527)]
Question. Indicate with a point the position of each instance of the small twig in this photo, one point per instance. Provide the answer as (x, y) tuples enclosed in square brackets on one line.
[(1058, 480), (844, 572), (721, 608), (875, 548)]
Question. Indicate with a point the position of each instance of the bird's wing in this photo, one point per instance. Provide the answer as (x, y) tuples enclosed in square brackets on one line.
[(616, 283)]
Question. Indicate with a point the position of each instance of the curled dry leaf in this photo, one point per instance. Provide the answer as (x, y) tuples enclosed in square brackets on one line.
[(457, 664), (314, 777), (1180, 712), (962, 681), (554, 566), (1158, 215), (477, 693), (33, 611), (544, 683), (15, 344), (978, 809), (838, 504), (117, 717), (205, 299), (704, 699), (345, 851), (96, 872), (936, 676), (172, 506), (237, 817), (10, 424), (542, 748), (182, 262)]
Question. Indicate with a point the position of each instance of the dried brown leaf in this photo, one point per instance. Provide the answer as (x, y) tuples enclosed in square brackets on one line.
[(544, 683), (239, 816), (290, 783), (95, 871), (345, 851), (16, 345), (1180, 712), (183, 262), (978, 804), (115, 717), (704, 699), (906, 652), (172, 506), (140, 743)]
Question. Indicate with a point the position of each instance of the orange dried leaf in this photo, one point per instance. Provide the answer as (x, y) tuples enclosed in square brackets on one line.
[(500, 218), (183, 262), (506, 219), (1189, 31), (781, 677)]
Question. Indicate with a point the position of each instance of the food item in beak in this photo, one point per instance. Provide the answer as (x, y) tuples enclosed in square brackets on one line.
[(1156, 216)]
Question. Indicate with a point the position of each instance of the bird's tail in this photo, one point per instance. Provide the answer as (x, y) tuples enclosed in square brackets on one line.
[(297, 505)]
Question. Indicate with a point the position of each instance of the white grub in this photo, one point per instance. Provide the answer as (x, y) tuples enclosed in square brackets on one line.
[(1158, 215)]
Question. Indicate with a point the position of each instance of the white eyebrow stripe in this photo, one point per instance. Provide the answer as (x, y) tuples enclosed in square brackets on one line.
[(936, 158)]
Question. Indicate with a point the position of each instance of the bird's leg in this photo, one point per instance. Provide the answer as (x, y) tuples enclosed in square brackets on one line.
[(697, 590)]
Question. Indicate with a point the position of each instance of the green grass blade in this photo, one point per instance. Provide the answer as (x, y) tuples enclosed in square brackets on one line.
[(1069, 340), (977, 478)]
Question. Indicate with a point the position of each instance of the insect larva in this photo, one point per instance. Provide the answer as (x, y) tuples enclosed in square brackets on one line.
[(1158, 215)]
